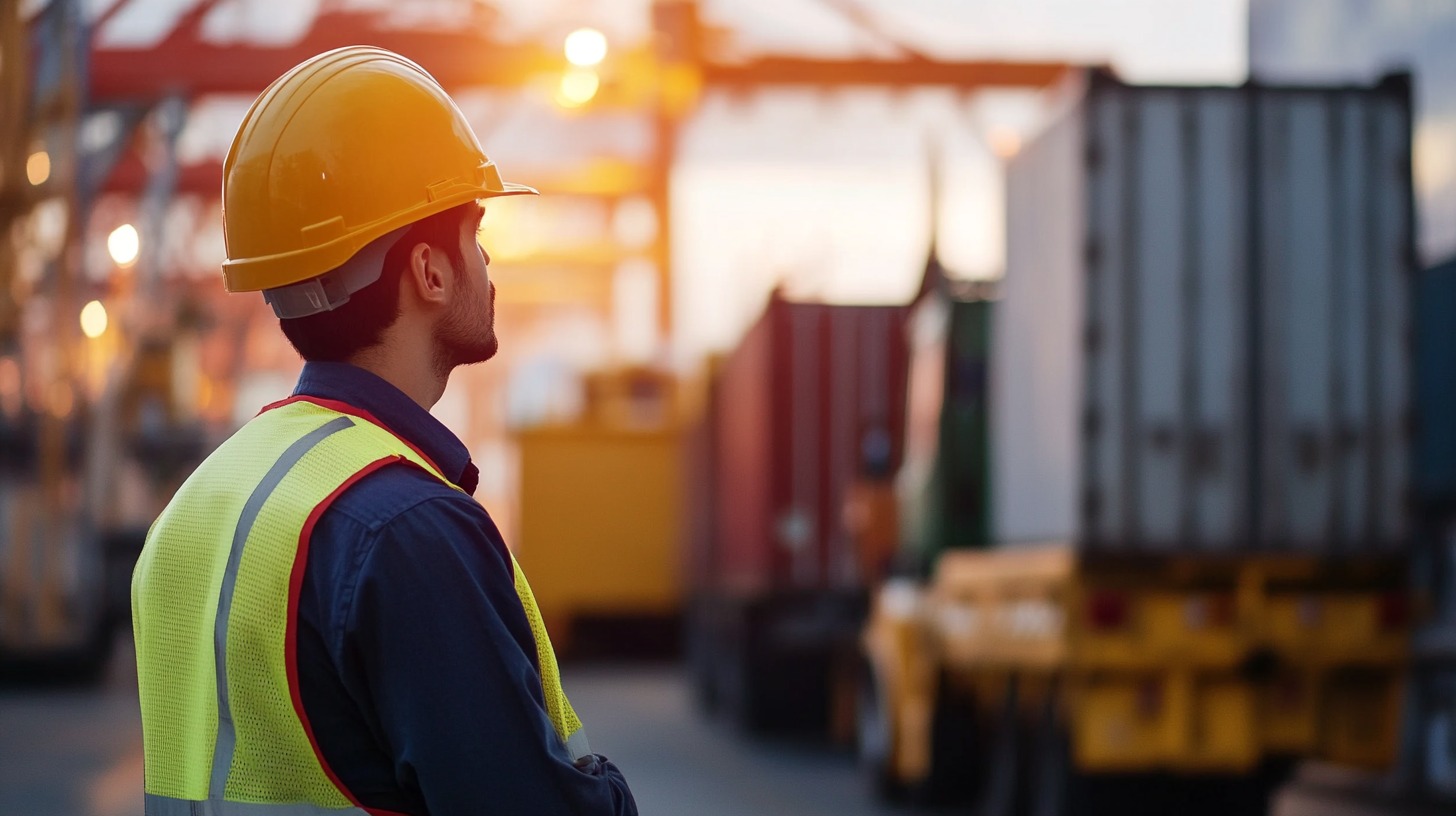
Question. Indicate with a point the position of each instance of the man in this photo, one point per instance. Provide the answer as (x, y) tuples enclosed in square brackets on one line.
[(325, 621)]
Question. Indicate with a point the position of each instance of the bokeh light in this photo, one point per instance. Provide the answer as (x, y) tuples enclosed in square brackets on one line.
[(578, 87), (38, 168), (93, 319), (586, 47), (124, 244)]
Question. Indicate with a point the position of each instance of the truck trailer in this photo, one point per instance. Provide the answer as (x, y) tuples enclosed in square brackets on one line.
[(1199, 482), (802, 417)]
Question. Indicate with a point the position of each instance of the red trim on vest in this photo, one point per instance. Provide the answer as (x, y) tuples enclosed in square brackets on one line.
[(295, 588), (346, 408)]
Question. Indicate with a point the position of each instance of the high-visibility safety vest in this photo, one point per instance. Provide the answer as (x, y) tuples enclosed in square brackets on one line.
[(215, 604)]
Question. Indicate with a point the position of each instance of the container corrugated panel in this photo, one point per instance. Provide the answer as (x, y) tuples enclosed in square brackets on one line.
[(1165, 329), (1335, 233), (1435, 450), (944, 496), (1036, 368), (1227, 310), (964, 465), (743, 446), (813, 395)]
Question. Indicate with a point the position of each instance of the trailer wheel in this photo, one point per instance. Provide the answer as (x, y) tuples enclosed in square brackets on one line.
[(1004, 764), (957, 772), (747, 679), (1053, 784)]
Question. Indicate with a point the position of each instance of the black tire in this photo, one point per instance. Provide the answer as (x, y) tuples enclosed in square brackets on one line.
[(1053, 785), (743, 682), (1003, 762), (957, 772)]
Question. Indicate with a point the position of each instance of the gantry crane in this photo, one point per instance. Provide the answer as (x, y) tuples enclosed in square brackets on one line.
[(51, 557)]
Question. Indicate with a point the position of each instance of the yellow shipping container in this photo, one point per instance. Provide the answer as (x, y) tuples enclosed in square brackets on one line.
[(600, 523)]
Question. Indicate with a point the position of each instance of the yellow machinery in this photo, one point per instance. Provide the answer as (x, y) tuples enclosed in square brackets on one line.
[(1087, 666), (600, 518)]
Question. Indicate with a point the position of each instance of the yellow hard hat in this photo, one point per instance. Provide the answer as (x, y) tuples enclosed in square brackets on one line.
[(339, 152)]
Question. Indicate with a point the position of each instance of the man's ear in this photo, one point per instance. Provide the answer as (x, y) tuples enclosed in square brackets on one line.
[(424, 276)]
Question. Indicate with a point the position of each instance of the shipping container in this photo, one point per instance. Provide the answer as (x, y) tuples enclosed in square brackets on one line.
[(1432, 727), (1435, 472), (810, 401), (808, 408), (607, 573), (943, 481), (1200, 405), (1203, 342)]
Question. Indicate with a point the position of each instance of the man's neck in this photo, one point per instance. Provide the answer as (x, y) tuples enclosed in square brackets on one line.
[(420, 383)]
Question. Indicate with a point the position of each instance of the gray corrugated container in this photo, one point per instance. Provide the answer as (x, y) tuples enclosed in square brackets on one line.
[(1436, 386), (1204, 338)]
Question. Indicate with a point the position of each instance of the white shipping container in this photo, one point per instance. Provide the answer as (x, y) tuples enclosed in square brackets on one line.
[(1203, 341)]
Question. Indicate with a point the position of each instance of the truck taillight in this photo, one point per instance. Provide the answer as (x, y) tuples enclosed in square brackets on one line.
[(1394, 611), (1107, 611)]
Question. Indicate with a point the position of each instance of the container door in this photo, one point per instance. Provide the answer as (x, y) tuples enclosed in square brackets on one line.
[(1166, 345), (1333, 201)]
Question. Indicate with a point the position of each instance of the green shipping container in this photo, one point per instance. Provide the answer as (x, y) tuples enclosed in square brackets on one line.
[(944, 485)]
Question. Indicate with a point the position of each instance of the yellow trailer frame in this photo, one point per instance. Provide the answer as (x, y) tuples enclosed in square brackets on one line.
[(1190, 664)]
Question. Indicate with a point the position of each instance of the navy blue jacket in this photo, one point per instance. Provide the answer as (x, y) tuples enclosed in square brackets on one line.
[(416, 665)]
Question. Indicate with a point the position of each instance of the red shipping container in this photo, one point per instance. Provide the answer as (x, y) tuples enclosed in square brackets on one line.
[(812, 400)]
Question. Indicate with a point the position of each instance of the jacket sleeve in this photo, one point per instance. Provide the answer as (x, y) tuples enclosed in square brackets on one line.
[(449, 666)]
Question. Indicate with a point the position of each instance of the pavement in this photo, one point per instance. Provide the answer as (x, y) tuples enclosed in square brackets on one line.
[(77, 752)]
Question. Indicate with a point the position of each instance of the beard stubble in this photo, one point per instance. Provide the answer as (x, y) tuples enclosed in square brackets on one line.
[(467, 335)]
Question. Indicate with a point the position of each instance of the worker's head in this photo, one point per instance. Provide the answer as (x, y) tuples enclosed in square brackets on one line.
[(432, 282), (351, 200)]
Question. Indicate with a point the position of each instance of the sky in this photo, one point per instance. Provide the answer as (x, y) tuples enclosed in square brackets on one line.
[(830, 197)]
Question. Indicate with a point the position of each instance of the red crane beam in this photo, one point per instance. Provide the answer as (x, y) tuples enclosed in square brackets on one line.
[(185, 63)]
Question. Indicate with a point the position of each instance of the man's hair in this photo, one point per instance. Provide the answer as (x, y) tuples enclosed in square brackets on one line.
[(338, 335)]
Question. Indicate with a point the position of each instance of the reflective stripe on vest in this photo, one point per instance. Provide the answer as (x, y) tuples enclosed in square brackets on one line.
[(223, 726), (227, 738)]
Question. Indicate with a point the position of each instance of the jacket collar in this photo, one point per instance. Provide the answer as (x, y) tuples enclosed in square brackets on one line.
[(402, 415)]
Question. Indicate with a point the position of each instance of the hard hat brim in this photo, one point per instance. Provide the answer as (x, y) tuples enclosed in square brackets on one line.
[(286, 269), (511, 188)]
